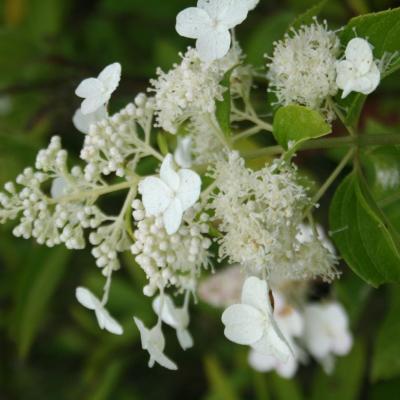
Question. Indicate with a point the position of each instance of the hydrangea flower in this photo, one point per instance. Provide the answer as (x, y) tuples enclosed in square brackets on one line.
[(209, 23), (83, 122), (251, 322), (97, 91), (154, 342), (177, 318), (104, 319), (302, 67), (291, 324), (357, 72), (251, 4), (327, 332), (171, 194)]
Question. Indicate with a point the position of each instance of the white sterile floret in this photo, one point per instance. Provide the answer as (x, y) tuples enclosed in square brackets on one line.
[(209, 23), (327, 332), (171, 194), (291, 324), (104, 319), (176, 317), (97, 91), (154, 342), (302, 68), (83, 122), (183, 152), (357, 72), (251, 322)]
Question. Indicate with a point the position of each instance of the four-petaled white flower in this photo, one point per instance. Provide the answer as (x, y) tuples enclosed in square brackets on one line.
[(327, 332), (97, 91), (104, 319), (171, 194), (358, 72), (209, 23), (291, 324), (183, 152), (154, 342), (252, 323), (82, 122), (176, 317)]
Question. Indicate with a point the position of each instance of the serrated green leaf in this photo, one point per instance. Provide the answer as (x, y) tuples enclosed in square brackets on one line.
[(43, 271), (362, 234), (345, 383), (307, 17), (294, 124), (386, 358)]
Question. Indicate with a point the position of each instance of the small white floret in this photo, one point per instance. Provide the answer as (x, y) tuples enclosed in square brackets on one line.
[(251, 322), (171, 194), (209, 23), (97, 91), (104, 319), (358, 72), (154, 342)]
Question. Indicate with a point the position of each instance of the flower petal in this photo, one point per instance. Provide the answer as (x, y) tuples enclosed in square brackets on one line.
[(244, 324), (229, 12), (110, 77), (172, 217), (87, 298), (192, 22), (156, 195), (359, 53), (255, 293), (213, 45), (168, 314), (144, 332), (58, 187), (159, 357), (189, 188), (83, 122), (369, 82), (90, 87), (168, 173), (92, 104), (185, 338), (183, 155), (107, 322)]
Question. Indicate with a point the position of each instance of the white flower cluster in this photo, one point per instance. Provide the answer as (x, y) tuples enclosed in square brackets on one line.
[(113, 145), (42, 217), (189, 88), (175, 259), (302, 68), (319, 329)]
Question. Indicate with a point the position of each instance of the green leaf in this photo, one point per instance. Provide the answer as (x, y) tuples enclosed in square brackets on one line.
[(307, 17), (223, 111), (364, 237), (284, 389), (43, 271), (386, 358), (346, 380), (294, 124)]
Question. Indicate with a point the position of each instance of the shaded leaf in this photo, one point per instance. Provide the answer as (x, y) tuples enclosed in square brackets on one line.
[(307, 17)]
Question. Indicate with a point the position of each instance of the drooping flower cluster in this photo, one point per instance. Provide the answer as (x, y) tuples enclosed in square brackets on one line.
[(302, 67)]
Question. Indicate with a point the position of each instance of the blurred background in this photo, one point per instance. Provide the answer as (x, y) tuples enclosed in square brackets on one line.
[(50, 346)]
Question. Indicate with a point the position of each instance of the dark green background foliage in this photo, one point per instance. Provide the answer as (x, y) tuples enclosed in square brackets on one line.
[(50, 346)]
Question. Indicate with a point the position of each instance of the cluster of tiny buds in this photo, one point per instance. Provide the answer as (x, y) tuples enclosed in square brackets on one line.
[(53, 158), (169, 259), (112, 140)]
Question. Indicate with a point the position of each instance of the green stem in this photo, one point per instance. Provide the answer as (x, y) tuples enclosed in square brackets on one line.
[(253, 118), (95, 192), (332, 177), (248, 132), (358, 141), (342, 117)]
